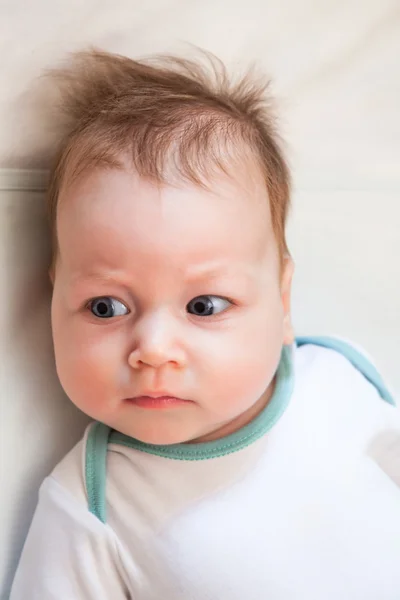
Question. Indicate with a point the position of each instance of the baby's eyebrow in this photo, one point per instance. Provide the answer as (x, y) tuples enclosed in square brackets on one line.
[(83, 276), (203, 273), (196, 274)]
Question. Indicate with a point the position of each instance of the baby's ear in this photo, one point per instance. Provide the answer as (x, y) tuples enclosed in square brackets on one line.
[(286, 289)]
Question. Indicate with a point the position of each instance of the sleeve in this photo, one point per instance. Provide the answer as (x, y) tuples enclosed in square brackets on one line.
[(69, 554)]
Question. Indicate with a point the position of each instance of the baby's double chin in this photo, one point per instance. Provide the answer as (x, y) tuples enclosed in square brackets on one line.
[(238, 422)]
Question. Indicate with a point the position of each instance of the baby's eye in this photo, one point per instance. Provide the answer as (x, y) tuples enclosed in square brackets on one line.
[(203, 306), (107, 307)]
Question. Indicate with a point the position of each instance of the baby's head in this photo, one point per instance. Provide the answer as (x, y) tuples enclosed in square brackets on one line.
[(171, 273)]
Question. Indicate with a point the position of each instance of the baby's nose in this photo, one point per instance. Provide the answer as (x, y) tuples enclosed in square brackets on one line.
[(156, 342)]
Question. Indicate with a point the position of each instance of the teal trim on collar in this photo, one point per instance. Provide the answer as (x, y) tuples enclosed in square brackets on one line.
[(235, 441), (95, 469)]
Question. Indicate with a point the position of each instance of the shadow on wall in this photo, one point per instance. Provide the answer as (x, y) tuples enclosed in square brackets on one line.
[(39, 423)]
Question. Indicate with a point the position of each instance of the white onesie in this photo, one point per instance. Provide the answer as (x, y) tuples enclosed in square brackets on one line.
[(302, 503)]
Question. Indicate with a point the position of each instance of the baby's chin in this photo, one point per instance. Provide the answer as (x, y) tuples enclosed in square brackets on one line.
[(158, 433)]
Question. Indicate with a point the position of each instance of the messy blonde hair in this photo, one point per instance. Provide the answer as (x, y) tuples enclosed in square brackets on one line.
[(165, 113)]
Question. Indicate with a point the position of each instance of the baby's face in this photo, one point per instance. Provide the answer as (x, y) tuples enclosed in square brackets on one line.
[(168, 292)]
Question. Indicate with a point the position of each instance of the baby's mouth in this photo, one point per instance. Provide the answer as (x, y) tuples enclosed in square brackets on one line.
[(158, 402)]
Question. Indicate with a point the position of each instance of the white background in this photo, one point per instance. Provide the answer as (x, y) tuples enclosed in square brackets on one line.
[(335, 67)]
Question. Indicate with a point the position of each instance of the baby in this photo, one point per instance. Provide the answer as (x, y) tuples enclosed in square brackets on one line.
[(226, 459)]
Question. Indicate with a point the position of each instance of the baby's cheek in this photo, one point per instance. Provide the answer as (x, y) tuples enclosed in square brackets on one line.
[(87, 369), (253, 360), (250, 377)]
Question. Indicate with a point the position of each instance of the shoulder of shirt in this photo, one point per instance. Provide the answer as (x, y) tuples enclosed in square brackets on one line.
[(342, 362), (351, 403), (70, 471)]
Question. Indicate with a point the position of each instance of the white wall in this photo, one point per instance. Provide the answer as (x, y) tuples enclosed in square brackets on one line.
[(335, 66)]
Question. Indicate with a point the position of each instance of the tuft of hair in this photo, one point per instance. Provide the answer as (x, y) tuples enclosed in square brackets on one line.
[(165, 116)]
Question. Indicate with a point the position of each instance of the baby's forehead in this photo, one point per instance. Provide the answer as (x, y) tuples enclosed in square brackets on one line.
[(240, 179), (115, 213), (107, 193)]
